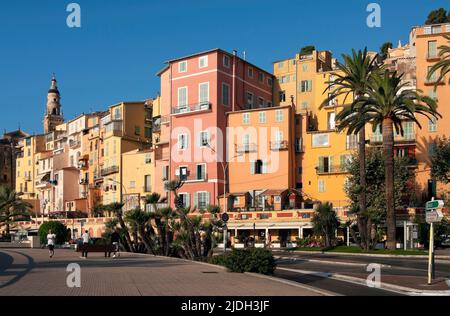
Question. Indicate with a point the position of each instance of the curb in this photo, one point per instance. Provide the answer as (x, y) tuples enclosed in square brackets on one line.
[(352, 264), (371, 255), (384, 286)]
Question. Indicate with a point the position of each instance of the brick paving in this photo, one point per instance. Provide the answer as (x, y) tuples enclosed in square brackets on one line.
[(32, 272)]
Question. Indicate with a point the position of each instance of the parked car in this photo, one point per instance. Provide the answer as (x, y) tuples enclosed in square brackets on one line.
[(445, 243)]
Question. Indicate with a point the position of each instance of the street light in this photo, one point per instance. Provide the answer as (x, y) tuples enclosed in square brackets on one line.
[(225, 165)]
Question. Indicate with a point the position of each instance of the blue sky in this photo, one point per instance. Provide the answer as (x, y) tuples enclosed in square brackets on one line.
[(121, 45)]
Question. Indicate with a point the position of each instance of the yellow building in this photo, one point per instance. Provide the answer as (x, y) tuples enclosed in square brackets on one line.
[(127, 127), (138, 177), (27, 167)]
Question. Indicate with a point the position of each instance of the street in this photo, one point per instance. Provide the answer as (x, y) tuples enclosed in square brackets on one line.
[(337, 272)]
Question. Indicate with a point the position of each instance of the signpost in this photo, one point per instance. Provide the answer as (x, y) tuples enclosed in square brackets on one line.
[(225, 219), (433, 215)]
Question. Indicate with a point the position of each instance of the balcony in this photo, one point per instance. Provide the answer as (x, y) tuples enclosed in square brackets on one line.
[(165, 119), (27, 178), (187, 109), (73, 144), (84, 182), (200, 177), (326, 170), (433, 57), (246, 148), (110, 170), (377, 139), (279, 145), (114, 127)]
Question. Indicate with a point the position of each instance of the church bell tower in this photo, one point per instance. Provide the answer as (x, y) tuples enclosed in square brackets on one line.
[(53, 116)]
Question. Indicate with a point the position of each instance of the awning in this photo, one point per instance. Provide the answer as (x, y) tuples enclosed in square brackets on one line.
[(44, 178)]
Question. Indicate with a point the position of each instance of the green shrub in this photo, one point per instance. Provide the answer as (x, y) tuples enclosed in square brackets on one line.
[(247, 260), (57, 228)]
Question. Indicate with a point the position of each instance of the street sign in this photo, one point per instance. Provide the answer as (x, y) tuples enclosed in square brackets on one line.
[(434, 216), (225, 217), (434, 205)]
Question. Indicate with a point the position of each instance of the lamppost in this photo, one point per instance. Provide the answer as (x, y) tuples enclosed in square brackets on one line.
[(225, 165)]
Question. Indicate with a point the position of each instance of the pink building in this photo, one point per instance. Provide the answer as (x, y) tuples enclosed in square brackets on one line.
[(196, 93)]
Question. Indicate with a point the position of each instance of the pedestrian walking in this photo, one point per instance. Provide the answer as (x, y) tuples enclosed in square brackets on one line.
[(51, 240), (86, 237), (115, 241)]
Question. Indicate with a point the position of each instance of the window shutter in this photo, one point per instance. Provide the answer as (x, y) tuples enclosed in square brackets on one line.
[(188, 200), (265, 167), (196, 200), (321, 164), (331, 164), (252, 167), (207, 199)]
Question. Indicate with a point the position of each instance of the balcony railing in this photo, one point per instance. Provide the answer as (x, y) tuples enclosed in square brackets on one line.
[(204, 106), (110, 170), (279, 145), (246, 148), (193, 177), (321, 170), (378, 139), (74, 144), (84, 182)]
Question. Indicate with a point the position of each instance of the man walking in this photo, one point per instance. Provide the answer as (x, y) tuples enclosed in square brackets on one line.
[(86, 239), (51, 240), (115, 241)]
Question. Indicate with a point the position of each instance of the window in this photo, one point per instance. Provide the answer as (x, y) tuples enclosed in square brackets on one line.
[(305, 68), (204, 139), (282, 96), (260, 77), (148, 132), (246, 141), (432, 49), (225, 94), (408, 131), (117, 114), (279, 116), (427, 30), (331, 120), (182, 141), (226, 61), (201, 200), (182, 66), (432, 125), (352, 142), (249, 100), (165, 173), (148, 183), (434, 76), (182, 173), (201, 172), (325, 164), (246, 118), (433, 94), (431, 149), (281, 65), (203, 62), (28, 142), (260, 102), (204, 93), (262, 118), (306, 86), (270, 82), (320, 140), (258, 167), (148, 159), (322, 187), (305, 105), (182, 97), (250, 72), (299, 145), (132, 184), (345, 162), (436, 29), (185, 200), (137, 131)]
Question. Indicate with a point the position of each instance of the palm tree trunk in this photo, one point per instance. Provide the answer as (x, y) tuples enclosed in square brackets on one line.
[(362, 196), (388, 145)]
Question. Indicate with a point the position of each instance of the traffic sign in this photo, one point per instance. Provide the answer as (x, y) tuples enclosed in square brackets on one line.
[(434, 216), (434, 205), (225, 217)]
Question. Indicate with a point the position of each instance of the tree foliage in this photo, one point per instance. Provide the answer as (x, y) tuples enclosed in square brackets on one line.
[(325, 223), (307, 50), (440, 161), (57, 228), (12, 208), (384, 49), (438, 16)]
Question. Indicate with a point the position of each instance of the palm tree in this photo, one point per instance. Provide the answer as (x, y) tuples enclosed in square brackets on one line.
[(443, 66), (117, 210), (326, 223), (12, 208), (353, 78), (139, 220), (388, 104)]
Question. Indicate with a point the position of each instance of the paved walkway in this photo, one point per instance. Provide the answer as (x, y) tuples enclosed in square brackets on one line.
[(31, 272)]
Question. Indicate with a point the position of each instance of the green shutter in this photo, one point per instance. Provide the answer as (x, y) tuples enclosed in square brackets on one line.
[(196, 200), (330, 159), (321, 164), (252, 167)]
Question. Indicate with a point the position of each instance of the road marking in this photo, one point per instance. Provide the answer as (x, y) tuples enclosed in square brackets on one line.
[(354, 264)]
